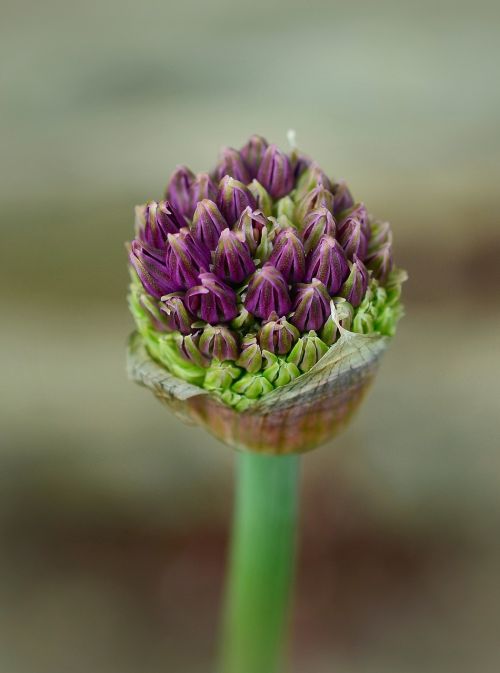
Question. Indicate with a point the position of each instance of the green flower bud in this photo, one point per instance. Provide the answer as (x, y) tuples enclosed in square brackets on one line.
[(286, 207), (238, 402), (188, 348), (307, 351), (278, 371), (363, 322), (251, 354), (221, 375), (252, 386), (262, 197), (345, 314)]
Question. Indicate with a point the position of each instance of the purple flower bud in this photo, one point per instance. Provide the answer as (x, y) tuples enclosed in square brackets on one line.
[(317, 224), (288, 256), (380, 262), (152, 270), (267, 293), (319, 197), (342, 198), (178, 190), (177, 316), (311, 306), (253, 152), (381, 234), (202, 188), (185, 258), (212, 301), (233, 197), (219, 342), (232, 259), (278, 335), (327, 262), (359, 212), (300, 163), (251, 354), (311, 178), (155, 221), (275, 172), (352, 238), (231, 163), (355, 286), (208, 224), (249, 227), (188, 346)]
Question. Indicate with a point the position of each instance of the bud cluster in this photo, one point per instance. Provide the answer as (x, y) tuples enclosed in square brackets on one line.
[(234, 273)]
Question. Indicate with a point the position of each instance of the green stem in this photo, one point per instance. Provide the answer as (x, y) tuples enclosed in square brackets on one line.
[(261, 563)]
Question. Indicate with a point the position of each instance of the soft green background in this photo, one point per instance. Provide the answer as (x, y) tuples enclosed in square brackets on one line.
[(113, 515)]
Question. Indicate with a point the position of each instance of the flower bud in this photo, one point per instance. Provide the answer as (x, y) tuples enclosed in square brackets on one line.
[(155, 221), (363, 322), (345, 315), (359, 212), (233, 197), (278, 371), (262, 198), (319, 197), (251, 354), (253, 152), (288, 256), (178, 190), (328, 263), (352, 238), (342, 198), (232, 259), (267, 293), (311, 306), (307, 351), (152, 270), (311, 177), (286, 207), (275, 172), (185, 259), (380, 262), (252, 386), (381, 234), (231, 163), (212, 301), (175, 313), (153, 312), (219, 342), (188, 348), (317, 224), (249, 227), (208, 224), (203, 187), (356, 284), (220, 375), (278, 335)]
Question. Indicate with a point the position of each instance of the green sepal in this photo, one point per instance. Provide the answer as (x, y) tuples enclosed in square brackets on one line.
[(252, 386), (220, 376), (262, 196), (285, 207), (307, 351), (278, 371)]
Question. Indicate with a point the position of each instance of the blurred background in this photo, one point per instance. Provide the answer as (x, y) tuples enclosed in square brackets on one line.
[(114, 517)]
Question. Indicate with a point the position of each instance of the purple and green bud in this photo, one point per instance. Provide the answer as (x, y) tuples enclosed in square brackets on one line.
[(278, 371), (232, 259), (179, 190), (208, 224), (253, 152), (152, 270), (250, 226), (175, 313), (355, 286), (328, 263), (233, 197), (278, 335), (203, 187), (252, 386), (380, 262), (310, 178), (352, 238), (359, 212), (275, 172), (345, 315), (381, 234), (288, 256), (231, 163), (319, 197), (219, 342), (185, 259), (152, 309), (285, 207), (155, 221), (317, 224), (307, 351), (342, 197), (267, 293), (311, 306), (262, 198), (251, 354), (187, 346), (212, 301), (221, 375)]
